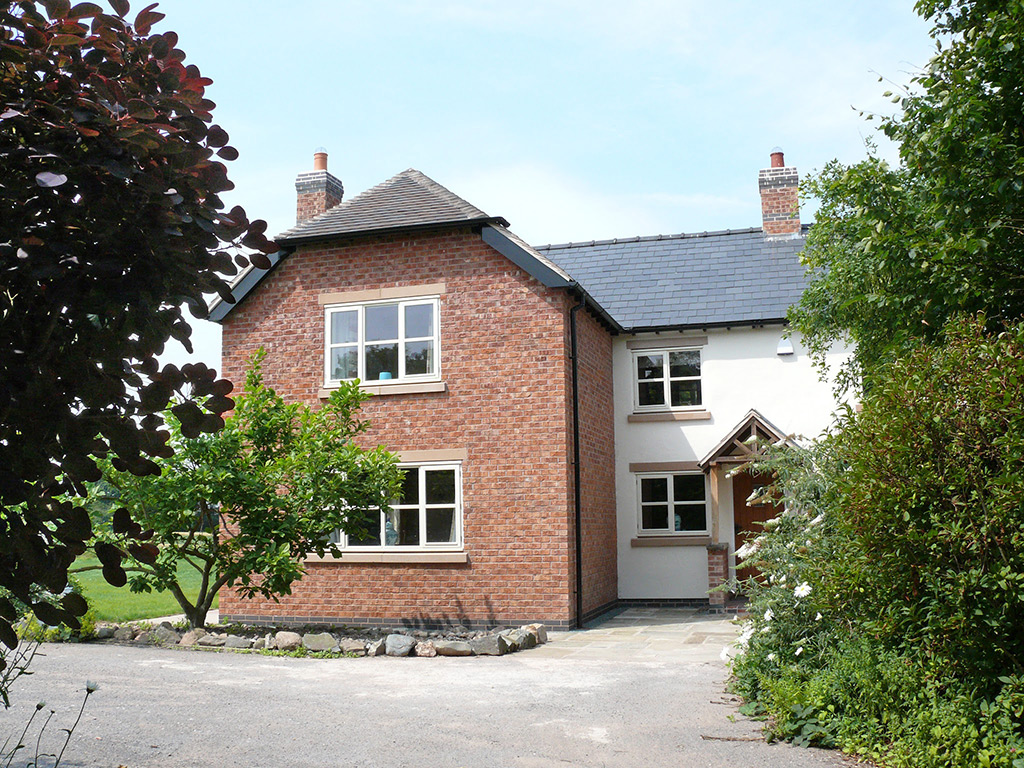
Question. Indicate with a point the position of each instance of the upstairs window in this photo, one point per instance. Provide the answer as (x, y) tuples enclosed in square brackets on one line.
[(667, 378), (387, 341), (673, 504)]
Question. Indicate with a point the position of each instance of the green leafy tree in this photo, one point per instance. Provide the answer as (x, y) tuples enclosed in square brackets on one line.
[(110, 220), (245, 505), (896, 252)]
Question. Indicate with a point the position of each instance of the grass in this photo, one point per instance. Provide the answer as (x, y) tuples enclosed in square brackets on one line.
[(121, 604)]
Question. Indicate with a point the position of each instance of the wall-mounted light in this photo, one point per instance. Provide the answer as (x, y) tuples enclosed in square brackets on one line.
[(785, 347)]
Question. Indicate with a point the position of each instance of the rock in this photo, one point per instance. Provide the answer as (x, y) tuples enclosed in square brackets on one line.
[(358, 647), (513, 643), (425, 649), (165, 635), (323, 641), (287, 641), (124, 633), (421, 634), (523, 638), (145, 638), (192, 636), (490, 645), (538, 631), (399, 645), (237, 641), (212, 641), (105, 633), (376, 648), (453, 648)]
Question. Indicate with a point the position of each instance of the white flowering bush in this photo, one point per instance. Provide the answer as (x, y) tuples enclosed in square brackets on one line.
[(889, 616), (790, 632)]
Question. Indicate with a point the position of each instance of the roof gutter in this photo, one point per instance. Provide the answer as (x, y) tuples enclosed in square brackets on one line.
[(701, 326)]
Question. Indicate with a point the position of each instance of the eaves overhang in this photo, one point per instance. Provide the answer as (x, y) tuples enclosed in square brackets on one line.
[(677, 327), (243, 286), (477, 223)]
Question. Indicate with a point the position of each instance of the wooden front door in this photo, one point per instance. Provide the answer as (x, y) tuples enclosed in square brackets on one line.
[(748, 519)]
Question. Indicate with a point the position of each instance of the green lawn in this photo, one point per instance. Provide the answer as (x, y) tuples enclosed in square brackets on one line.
[(121, 604)]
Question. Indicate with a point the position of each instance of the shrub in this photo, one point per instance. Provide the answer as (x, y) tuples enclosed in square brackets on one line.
[(897, 568)]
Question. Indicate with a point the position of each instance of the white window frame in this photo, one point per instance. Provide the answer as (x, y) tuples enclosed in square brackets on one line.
[(422, 506), (360, 344), (667, 379), (670, 502)]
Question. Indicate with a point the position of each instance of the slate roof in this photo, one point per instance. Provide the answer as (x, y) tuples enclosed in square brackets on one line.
[(731, 277), (408, 200)]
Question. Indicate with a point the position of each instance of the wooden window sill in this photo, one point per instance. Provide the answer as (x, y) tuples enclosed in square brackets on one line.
[(671, 541), (392, 557), (414, 388), (636, 418)]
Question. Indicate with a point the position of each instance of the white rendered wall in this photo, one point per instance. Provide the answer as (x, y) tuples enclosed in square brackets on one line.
[(740, 371)]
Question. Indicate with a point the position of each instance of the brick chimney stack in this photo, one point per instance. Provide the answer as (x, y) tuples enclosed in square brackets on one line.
[(318, 191), (780, 204)]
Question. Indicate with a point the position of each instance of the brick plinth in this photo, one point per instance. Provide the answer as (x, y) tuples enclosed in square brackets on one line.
[(718, 571)]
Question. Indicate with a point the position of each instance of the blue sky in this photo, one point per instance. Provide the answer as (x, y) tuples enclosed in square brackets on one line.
[(573, 120)]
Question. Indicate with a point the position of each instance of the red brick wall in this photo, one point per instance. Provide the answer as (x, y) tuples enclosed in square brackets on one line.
[(504, 360), (313, 204), (597, 464)]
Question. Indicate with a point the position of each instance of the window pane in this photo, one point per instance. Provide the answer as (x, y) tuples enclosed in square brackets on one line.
[(345, 327), (684, 363), (685, 392), (655, 517), (344, 363), (419, 321), (650, 367), (440, 486), (410, 487), (409, 527), (381, 322), (440, 526), (688, 488), (381, 359), (652, 393), (419, 357), (372, 537), (653, 489), (690, 517)]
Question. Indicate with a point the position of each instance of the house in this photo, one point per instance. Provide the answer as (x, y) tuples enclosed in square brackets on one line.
[(567, 414)]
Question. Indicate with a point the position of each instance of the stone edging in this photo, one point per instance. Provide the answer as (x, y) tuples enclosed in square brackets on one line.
[(400, 642)]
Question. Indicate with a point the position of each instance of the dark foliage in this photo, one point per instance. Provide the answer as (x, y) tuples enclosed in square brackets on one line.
[(109, 220)]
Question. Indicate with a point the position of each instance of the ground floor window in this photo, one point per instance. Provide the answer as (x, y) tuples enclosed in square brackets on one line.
[(427, 514), (672, 503)]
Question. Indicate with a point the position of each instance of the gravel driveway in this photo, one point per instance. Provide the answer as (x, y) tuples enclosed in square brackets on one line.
[(616, 697)]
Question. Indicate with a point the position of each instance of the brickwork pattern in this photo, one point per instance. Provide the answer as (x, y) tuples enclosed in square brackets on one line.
[(718, 571), (597, 464), (780, 202), (504, 361), (316, 193)]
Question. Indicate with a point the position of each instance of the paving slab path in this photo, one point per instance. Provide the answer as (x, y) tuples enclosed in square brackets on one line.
[(641, 688)]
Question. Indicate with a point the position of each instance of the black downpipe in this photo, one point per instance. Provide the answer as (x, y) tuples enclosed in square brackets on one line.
[(577, 492)]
